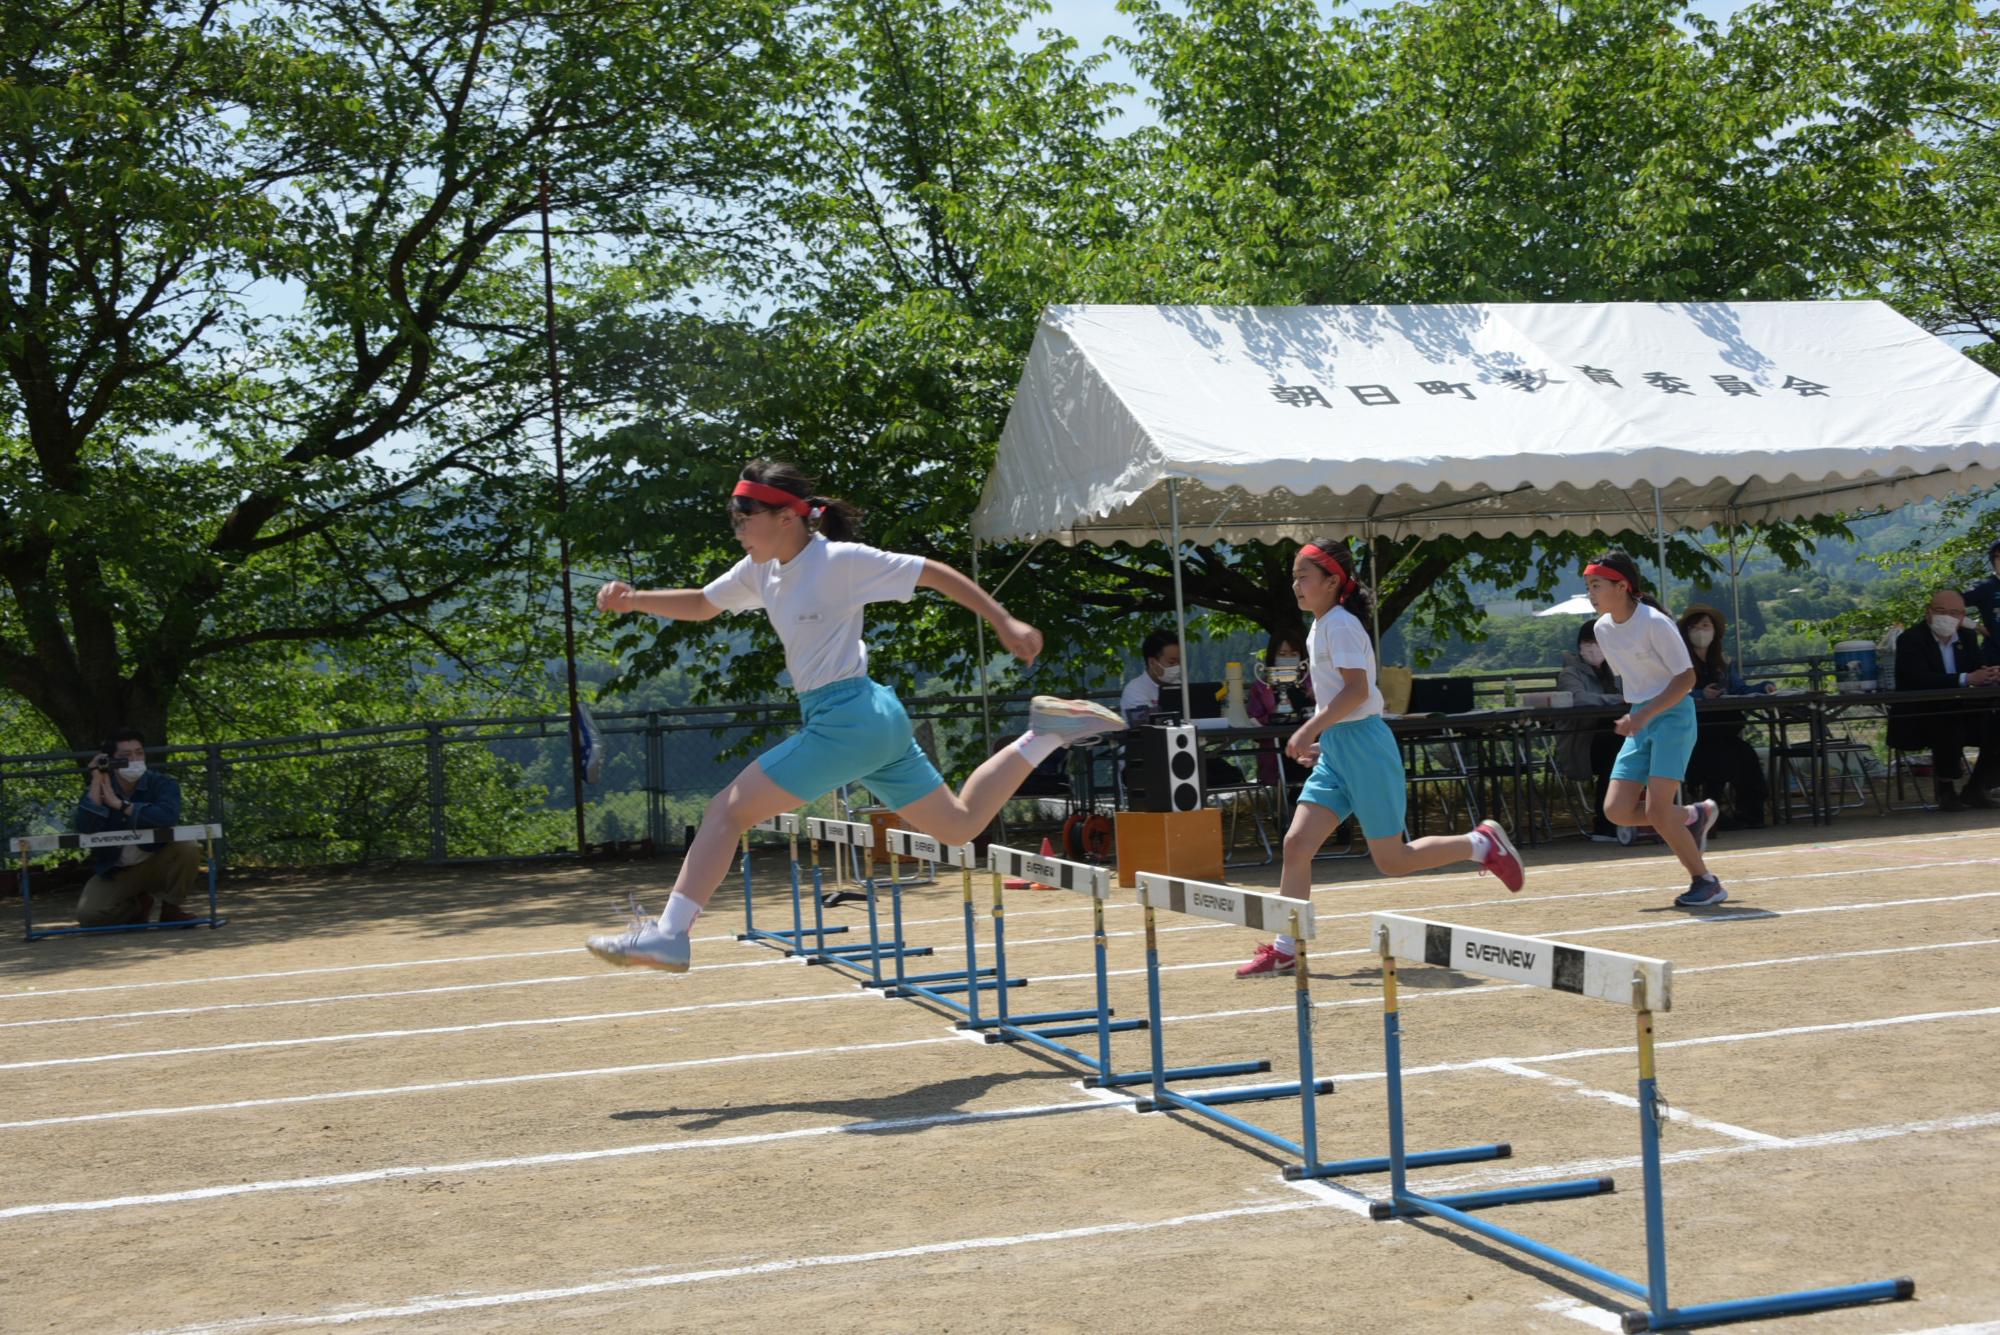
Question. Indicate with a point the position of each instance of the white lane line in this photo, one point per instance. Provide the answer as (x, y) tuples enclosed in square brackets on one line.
[(1710, 919), (1680, 1115), (1597, 1318), (437, 1086), (1333, 1193), (1789, 850), (1819, 1141), (1486, 990), (888, 1124), (1004, 1114), (431, 1306), (1581, 1054), (36, 994), (484, 1026)]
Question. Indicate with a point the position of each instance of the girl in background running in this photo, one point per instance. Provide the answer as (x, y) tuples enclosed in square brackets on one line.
[(1643, 646), (1357, 766), (802, 565)]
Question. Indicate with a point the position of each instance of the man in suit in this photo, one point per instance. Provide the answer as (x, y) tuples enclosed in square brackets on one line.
[(1942, 653), (1984, 598)]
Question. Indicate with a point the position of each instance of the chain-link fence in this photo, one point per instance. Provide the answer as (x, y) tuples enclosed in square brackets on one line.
[(464, 789)]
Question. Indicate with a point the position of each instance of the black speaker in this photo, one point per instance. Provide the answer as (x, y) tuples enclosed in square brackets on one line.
[(1163, 768)]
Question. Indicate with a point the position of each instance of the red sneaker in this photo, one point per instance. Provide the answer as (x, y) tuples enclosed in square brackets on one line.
[(1501, 859), (1268, 960)]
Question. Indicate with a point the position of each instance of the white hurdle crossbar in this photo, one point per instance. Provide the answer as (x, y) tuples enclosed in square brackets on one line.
[(26, 846), (1646, 986)]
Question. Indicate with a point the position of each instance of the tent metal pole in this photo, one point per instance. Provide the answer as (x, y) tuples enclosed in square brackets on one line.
[(1660, 529), (1374, 603), (1180, 606), (1735, 592), (979, 629)]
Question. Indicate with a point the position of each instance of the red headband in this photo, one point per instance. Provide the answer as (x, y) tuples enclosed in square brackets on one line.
[(777, 496), (1606, 572), (1319, 557)]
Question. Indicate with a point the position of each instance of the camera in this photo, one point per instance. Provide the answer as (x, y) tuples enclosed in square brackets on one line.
[(105, 761)]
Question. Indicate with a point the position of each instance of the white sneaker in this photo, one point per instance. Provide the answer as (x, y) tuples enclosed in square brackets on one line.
[(1070, 720), (1708, 814), (645, 946)]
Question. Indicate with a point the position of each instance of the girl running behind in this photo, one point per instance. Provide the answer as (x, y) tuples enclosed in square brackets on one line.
[(1357, 765), (1644, 647)]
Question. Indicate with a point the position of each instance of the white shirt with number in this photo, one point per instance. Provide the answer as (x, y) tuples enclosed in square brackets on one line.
[(1646, 652), (1338, 641), (815, 602)]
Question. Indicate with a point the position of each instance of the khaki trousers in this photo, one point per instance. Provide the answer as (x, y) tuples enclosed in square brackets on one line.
[(168, 876)]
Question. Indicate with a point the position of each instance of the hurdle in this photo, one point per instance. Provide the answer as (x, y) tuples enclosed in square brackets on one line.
[(26, 846), (1047, 1028), (1646, 985), (791, 942), (939, 988), (850, 835), (1262, 912)]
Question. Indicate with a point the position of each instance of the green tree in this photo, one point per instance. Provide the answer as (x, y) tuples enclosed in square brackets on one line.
[(269, 318)]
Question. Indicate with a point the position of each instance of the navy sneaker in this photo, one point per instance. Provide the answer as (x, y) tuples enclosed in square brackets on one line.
[(1705, 891)]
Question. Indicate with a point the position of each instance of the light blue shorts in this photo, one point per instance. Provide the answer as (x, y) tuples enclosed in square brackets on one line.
[(854, 731), (1360, 770), (1660, 750)]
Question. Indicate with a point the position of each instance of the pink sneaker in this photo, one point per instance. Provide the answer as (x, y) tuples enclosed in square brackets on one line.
[(1501, 859), (1706, 814), (1268, 960)]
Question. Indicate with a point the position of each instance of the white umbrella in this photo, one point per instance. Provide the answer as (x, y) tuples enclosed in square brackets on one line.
[(1574, 606)]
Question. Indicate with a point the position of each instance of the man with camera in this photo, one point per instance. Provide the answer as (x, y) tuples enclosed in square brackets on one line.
[(128, 884)]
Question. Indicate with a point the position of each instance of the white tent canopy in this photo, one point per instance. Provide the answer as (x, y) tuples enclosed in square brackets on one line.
[(1286, 422)]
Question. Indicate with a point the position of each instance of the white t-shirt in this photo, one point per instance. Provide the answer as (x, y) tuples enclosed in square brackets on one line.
[(1339, 641), (1646, 652), (815, 602), (1142, 692)]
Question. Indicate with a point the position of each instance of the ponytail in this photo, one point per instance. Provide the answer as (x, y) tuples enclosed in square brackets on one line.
[(838, 520)]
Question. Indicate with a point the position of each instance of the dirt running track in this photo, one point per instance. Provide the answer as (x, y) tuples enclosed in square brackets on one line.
[(410, 1102)]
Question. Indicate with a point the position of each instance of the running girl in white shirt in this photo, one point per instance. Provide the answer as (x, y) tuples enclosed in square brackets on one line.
[(1357, 765), (1643, 645), (803, 568)]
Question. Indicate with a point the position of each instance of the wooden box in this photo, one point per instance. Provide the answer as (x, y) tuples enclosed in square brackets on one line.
[(1187, 844)]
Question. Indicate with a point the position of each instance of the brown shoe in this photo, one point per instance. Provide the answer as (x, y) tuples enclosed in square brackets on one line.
[(175, 913), (1948, 798)]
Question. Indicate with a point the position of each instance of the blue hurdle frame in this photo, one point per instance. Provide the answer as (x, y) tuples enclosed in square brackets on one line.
[(1591, 973), (1045, 1029), (792, 942), (174, 834), (943, 988), (1262, 912), (861, 960)]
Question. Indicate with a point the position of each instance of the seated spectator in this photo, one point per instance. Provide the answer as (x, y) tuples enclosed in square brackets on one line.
[(128, 883), (1942, 653), (1295, 700), (1141, 699), (1721, 757), (1587, 751), (1984, 598)]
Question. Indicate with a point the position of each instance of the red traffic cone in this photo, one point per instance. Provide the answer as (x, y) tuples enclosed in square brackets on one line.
[(1016, 883)]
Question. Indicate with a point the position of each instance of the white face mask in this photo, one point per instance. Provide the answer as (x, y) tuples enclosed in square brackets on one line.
[(132, 769), (1701, 636), (1170, 676), (1944, 627), (1592, 655)]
